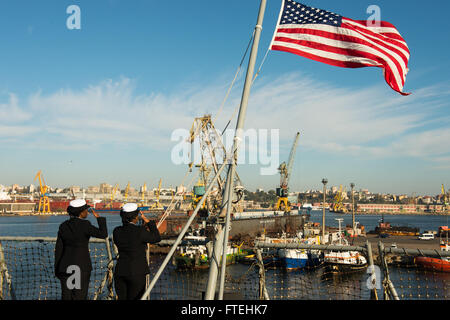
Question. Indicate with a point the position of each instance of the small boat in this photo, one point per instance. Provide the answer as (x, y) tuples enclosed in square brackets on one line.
[(344, 261), (307, 206), (386, 228), (433, 264), (269, 257), (192, 255), (294, 259), (195, 256)]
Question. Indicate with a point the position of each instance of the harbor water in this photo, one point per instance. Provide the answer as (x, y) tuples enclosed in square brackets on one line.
[(47, 226)]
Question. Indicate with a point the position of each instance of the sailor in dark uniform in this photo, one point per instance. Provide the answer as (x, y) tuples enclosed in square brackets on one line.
[(72, 258), (131, 241)]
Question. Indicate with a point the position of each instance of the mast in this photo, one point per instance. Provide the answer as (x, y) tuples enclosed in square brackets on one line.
[(223, 225)]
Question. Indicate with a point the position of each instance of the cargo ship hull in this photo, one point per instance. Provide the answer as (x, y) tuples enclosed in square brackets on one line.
[(253, 227), (240, 227)]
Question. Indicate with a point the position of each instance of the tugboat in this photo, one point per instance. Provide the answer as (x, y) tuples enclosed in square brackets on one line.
[(386, 228), (344, 261)]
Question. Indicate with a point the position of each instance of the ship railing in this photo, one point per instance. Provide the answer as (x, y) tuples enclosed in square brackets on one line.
[(39, 260), (23, 257), (389, 291), (26, 271)]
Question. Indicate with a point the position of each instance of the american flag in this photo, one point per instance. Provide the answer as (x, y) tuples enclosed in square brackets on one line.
[(333, 39)]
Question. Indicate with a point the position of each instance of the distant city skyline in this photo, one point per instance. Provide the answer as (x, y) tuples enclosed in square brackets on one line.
[(138, 188), (100, 103)]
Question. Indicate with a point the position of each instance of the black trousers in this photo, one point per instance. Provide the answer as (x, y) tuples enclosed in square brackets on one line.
[(129, 288), (75, 294)]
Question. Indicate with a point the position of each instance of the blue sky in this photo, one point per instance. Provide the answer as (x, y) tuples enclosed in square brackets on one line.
[(99, 104)]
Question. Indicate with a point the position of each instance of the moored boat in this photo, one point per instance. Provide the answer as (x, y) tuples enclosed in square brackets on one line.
[(195, 256), (441, 264), (386, 228), (269, 257), (192, 256), (294, 259), (344, 261), (433, 264)]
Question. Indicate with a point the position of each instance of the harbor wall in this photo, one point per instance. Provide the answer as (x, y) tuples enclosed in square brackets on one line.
[(17, 207)]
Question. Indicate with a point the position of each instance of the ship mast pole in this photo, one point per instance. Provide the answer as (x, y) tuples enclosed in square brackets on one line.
[(221, 239)]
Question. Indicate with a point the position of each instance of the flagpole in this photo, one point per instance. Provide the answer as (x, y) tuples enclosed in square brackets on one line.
[(221, 239)]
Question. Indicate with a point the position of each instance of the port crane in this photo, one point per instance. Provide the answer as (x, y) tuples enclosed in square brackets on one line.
[(44, 201), (285, 172), (205, 139), (199, 190), (337, 205), (444, 198), (127, 189), (413, 198), (113, 193), (143, 191), (157, 204)]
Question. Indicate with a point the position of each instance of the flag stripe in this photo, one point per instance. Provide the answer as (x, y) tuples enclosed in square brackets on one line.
[(346, 40), (384, 27), (330, 58), (356, 51), (398, 50), (393, 38), (350, 30)]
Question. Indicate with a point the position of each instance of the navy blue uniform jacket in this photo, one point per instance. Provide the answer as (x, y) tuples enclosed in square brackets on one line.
[(131, 241), (72, 244)]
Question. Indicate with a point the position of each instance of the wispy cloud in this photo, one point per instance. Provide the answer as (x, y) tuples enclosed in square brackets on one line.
[(338, 120), (332, 119), (11, 112)]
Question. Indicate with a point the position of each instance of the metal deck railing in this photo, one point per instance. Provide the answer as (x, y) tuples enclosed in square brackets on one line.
[(27, 273)]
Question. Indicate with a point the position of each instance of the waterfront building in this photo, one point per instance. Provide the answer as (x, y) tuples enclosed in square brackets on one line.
[(74, 189), (93, 189), (397, 208)]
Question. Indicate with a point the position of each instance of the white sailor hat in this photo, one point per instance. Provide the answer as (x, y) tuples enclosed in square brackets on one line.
[(77, 203), (129, 207), (129, 212), (77, 206)]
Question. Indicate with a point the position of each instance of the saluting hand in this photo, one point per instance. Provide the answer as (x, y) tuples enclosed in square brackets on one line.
[(95, 214), (144, 218)]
